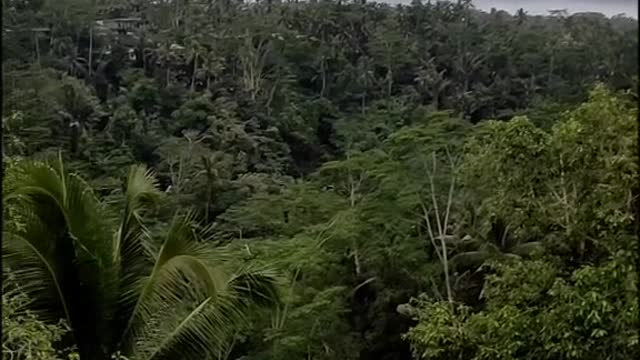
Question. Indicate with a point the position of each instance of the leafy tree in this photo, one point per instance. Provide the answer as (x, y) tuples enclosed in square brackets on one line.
[(571, 302), (533, 314), (24, 336)]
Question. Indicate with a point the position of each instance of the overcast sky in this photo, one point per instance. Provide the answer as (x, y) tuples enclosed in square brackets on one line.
[(540, 7)]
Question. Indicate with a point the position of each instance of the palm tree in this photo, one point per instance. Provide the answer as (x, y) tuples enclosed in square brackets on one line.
[(499, 243), (101, 273), (432, 82)]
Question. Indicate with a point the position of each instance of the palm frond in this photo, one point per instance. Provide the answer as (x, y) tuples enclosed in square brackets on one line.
[(188, 332), (188, 271), (181, 301), (33, 264), (130, 250), (256, 286), (469, 259), (141, 191), (527, 248), (205, 328), (184, 267), (66, 225)]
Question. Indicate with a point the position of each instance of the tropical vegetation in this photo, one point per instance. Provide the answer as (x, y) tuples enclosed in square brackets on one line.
[(200, 179)]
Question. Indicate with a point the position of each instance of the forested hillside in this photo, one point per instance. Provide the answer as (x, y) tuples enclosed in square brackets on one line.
[(200, 179)]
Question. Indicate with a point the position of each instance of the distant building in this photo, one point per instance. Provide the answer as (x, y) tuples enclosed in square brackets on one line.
[(35, 30), (124, 26)]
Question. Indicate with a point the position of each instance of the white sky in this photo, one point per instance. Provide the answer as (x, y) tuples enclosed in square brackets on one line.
[(540, 7)]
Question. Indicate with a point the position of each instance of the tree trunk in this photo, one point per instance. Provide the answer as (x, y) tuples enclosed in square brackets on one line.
[(143, 54), (50, 40), (272, 93), (445, 265), (75, 136), (210, 180), (37, 47), (352, 203), (324, 78), (193, 75), (436, 101), (389, 82), (441, 228), (356, 261), (90, 51), (176, 18), (550, 70)]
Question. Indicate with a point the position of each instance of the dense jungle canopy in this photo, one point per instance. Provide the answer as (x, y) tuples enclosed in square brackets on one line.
[(215, 179)]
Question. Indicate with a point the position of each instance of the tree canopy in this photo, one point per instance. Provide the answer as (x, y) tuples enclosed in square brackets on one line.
[(317, 180)]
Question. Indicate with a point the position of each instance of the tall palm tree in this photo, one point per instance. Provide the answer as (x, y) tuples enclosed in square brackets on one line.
[(499, 243), (100, 271)]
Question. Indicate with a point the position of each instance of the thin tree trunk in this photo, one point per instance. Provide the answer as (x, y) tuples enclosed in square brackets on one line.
[(207, 166), (51, 40), (441, 227), (90, 51), (176, 21), (356, 261), (272, 93), (324, 78), (550, 70), (532, 85), (193, 75), (353, 189), (143, 53), (208, 204), (389, 82), (37, 47)]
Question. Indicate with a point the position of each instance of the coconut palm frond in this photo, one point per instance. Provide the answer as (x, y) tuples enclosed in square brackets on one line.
[(130, 250), (256, 286), (470, 259), (184, 267), (526, 249), (181, 301), (34, 264), (66, 228), (141, 192), (66, 204), (491, 248), (192, 272), (192, 332), (208, 327)]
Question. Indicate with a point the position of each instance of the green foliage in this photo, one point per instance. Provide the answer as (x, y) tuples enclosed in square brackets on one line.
[(503, 164), (282, 214), (595, 141), (550, 183), (531, 313), (372, 153), (562, 305), (439, 333), (100, 272), (24, 336)]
